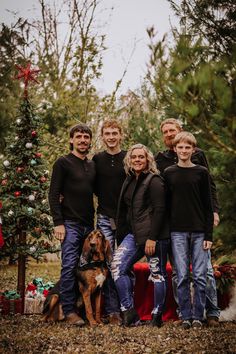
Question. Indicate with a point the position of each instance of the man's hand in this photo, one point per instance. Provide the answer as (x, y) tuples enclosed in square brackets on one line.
[(207, 245), (59, 232), (150, 247), (216, 219)]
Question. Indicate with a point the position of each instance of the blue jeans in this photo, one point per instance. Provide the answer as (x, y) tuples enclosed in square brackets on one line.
[(111, 299), (71, 249), (124, 258), (185, 247), (212, 309)]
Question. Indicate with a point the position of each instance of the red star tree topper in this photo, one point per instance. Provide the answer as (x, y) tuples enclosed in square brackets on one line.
[(27, 75)]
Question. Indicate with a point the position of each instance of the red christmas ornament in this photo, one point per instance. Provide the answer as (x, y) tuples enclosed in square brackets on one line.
[(4, 182), (33, 133), (38, 154), (43, 179), (17, 193), (19, 169), (28, 75), (38, 230)]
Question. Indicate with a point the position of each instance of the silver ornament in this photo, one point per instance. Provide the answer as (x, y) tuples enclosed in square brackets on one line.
[(31, 197), (6, 163), (28, 145)]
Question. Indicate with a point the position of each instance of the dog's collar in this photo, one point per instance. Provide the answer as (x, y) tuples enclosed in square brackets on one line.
[(92, 265)]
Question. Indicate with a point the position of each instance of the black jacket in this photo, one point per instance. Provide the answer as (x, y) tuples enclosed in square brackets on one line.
[(146, 216)]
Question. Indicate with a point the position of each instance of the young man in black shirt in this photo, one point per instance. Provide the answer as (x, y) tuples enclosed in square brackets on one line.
[(110, 176), (71, 204), (191, 225), (169, 128)]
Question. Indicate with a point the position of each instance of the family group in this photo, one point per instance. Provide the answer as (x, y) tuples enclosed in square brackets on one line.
[(162, 207)]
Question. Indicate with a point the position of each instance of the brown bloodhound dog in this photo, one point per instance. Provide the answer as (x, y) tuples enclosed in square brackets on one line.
[(91, 274)]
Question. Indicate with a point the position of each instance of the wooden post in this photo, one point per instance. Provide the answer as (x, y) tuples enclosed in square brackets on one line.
[(21, 271)]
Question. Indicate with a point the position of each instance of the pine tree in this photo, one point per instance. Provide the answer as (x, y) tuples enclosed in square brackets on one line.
[(26, 223)]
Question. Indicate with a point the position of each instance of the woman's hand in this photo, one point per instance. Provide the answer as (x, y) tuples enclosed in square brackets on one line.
[(150, 247)]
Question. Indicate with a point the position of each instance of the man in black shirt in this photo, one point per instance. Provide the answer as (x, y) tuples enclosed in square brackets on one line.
[(169, 129), (110, 176), (71, 204)]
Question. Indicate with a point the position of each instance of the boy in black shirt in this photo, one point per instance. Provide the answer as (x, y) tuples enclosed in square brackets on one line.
[(110, 176), (71, 204), (191, 223)]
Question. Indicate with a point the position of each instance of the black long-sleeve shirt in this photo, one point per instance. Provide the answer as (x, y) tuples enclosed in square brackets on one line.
[(169, 157), (189, 198), (73, 179), (110, 175)]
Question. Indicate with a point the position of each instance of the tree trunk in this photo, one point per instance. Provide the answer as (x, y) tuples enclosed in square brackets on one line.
[(21, 271)]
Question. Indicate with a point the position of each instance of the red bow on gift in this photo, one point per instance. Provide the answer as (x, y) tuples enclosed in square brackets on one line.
[(31, 287)]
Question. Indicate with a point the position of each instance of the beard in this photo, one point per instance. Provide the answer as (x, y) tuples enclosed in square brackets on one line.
[(169, 142), (83, 150)]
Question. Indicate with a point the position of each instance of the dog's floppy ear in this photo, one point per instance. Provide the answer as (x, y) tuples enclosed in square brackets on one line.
[(108, 252), (86, 248)]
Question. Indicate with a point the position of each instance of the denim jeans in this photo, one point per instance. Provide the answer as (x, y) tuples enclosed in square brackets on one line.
[(71, 249), (111, 299), (212, 309), (125, 256), (188, 247)]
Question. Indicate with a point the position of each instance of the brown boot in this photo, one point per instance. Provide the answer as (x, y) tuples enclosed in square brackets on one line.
[(114, 319), (178, 322), (213, 321), (74, 319)]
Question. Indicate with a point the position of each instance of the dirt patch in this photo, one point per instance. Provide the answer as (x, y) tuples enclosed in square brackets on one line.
[(27, 334)]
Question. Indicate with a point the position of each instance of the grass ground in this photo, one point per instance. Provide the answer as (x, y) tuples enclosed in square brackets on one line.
[(27, 334)]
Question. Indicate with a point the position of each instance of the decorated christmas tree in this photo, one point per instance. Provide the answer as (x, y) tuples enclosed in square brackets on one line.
[(26, 224)]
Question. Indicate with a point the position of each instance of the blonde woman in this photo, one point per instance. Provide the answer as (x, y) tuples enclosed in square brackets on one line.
[(141, 230)]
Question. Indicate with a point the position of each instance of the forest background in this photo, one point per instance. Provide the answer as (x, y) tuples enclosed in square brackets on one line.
[(191, 77)]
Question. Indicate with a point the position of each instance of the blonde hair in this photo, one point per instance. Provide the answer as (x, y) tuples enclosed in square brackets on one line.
[(173, 121), (185, 137), (151, 164), (111, 123)]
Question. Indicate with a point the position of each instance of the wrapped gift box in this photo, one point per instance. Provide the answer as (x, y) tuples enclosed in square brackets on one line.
[(10, 303), (35, 295), (34, 305)]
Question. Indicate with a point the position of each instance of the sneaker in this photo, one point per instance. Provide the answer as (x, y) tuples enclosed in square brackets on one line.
[(186, 324), (74, 319), (196, 324), (156, 320), (130, 318), (213, 321), (114, 319)]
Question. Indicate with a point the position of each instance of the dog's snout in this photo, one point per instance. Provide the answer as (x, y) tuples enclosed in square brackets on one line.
[(92, 244)]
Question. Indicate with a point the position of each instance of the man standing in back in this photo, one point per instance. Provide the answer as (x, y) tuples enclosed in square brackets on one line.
[(110, 176), (169, 129)]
